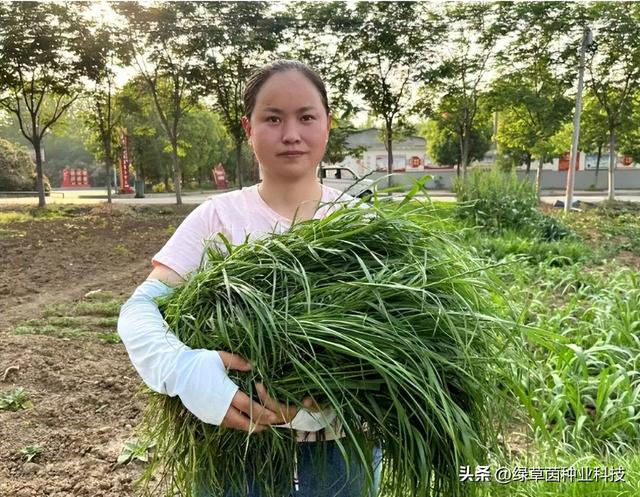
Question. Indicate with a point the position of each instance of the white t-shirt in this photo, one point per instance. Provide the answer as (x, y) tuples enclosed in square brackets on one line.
[(235, 214)]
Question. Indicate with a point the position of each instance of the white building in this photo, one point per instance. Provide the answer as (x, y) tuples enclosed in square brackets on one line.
[(408, 154)]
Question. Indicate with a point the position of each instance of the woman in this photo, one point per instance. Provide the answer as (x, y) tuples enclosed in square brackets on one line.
[(287, 123)]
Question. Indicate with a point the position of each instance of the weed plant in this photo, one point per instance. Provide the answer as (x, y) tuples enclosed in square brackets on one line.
[(498, 202)]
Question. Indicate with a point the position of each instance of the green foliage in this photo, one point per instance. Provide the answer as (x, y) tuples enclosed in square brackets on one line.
[(43, 59), (443, 143), (135, 449), (509, 244), (378, 313), (16, 167), (238, 39), (30, 452), (531, 90), (383, 48), (159, 188), (588, 388), (498, 201), (337, 147), (607, 485), (95, 316), (614, 227), (15, 400), (205, 143)]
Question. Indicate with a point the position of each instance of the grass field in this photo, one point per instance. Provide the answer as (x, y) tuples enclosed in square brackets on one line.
[(578, 405)]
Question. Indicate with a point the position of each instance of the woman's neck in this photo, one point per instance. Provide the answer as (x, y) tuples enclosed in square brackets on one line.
[(302, 196)]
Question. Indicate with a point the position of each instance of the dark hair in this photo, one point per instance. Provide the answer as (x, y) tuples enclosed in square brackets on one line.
[(260, 77)]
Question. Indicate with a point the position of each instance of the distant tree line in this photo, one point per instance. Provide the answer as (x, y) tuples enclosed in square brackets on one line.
[(172, 75)]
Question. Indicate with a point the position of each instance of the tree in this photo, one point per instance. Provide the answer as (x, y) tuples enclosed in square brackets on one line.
[(614, 67), (382, 49), (205, 143), (461, 78), (63, 146), (236, 39), (42, 59), (531, 90), (161, 41), (515, 139), (338, 145), (443, 142), (108, 51), (630, 136), (147, 139), (593, 129)]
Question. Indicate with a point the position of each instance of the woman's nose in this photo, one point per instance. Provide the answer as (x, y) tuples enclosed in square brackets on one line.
[(290, 132)]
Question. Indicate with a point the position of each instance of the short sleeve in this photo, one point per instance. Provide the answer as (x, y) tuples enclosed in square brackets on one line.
[(185, 249)]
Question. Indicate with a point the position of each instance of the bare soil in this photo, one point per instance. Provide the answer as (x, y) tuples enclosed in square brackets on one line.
[(83, 389)]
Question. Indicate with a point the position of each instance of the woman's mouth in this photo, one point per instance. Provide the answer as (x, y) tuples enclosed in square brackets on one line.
[(291, 153)]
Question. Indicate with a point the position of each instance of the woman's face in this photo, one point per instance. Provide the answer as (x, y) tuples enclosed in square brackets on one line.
[(289, 126)]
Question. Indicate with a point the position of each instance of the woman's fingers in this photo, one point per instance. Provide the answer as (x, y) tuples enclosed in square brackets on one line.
[(285, 412), (234, 361), (258, 413), (238, 421), (310, 404)]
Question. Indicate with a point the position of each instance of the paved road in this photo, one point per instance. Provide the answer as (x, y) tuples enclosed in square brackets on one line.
[(99, 196)]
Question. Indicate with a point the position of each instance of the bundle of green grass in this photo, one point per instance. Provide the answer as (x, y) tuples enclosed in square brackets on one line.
[(376, 312)]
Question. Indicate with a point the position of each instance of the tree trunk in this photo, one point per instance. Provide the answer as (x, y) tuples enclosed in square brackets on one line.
[(238, 163), (39, 174), (598, 164), (464, 156), (539, 175), (528, 163), (107, 165), (176, 171), (612, 165), (389, 140)]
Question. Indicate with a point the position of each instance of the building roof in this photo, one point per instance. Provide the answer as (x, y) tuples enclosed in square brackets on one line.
[(370, 139)]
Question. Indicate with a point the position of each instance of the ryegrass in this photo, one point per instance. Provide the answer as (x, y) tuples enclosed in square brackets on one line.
[(96, 316), (378, 313), (35, 213)]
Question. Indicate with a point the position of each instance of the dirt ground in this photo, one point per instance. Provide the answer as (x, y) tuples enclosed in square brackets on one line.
[(82, 389)]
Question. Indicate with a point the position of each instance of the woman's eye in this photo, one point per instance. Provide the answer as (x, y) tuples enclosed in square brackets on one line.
[(273, 119), (307, 117)]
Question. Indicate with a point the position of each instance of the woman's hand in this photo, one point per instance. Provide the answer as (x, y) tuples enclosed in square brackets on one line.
[(245, 414), (248, 415), (285, 412)]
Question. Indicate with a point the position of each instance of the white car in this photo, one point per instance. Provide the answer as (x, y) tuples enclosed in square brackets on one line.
[(345, 180)]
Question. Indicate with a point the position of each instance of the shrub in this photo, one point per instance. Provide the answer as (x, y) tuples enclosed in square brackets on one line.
[(17, 170), (159, 188), (499, 201)]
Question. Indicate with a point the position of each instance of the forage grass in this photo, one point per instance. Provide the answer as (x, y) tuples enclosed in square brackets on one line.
[(379, 313), (15, 400), (30, 452), (587, 389)]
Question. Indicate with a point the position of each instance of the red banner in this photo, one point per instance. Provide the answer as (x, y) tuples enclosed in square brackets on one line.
[(125, 187)]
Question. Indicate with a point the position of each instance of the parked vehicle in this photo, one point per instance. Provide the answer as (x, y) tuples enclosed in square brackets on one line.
[(344, 179)]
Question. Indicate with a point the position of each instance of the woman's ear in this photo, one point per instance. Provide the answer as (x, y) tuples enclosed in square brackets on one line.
[(246, 125), (328, 126)]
